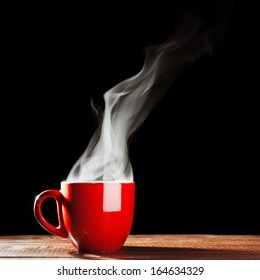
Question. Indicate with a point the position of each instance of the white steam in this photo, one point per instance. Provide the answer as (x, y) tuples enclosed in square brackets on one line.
[(129, 102)]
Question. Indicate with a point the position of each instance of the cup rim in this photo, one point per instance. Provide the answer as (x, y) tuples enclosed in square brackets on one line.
[(95, 182)]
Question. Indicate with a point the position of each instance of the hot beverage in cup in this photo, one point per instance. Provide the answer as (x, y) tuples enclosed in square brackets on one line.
[(93, 215)]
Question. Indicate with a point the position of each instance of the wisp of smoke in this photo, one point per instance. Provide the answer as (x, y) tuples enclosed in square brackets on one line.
[(128, 103)]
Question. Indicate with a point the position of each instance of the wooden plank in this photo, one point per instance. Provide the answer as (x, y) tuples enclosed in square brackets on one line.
[(137, 247)]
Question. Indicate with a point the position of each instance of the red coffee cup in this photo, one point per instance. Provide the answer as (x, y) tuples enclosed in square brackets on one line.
[(94, 215)]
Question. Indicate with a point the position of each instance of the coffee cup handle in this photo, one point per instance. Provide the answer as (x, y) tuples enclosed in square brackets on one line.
[(60, 229)]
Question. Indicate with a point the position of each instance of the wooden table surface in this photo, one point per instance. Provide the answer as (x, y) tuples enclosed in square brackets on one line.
[(139, 247)]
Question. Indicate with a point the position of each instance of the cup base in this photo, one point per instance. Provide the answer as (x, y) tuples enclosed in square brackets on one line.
[(90, 249), (82, 252)]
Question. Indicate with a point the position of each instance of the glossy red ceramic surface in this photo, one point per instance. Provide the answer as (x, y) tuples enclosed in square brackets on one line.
[(95, 216)]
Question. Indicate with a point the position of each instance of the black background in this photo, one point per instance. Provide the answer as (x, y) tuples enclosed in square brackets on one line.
[(195, 158)]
